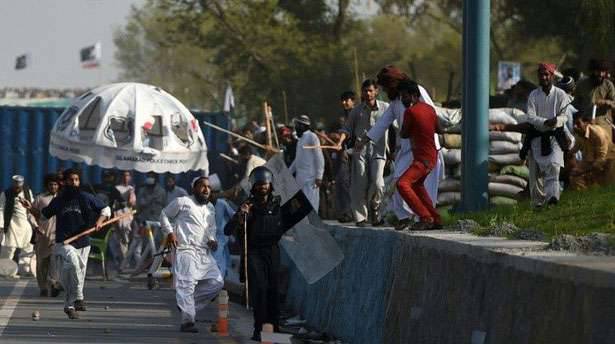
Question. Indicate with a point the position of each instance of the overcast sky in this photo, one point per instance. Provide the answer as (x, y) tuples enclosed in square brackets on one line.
[(53, 32)]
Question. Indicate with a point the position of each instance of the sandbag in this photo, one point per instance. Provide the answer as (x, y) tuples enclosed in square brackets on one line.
[(519, 171), (501, 116), (448, 119), (504, 147), (451, 141), (449, 184), (506, 190), (451, 156), (502, 201), (505, 136), (448, 198), (506, 159), (509, 179)]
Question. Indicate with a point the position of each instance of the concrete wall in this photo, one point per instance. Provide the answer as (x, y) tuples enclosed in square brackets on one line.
[(456, 288)]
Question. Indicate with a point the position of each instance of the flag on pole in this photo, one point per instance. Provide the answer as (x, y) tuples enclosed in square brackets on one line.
[(22, 61), (91, 56), (229, 99)]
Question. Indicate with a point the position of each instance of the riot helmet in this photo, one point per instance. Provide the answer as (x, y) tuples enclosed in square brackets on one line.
[(260, 175)]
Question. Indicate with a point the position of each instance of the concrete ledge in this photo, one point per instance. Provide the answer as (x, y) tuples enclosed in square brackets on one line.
[(448, 287)]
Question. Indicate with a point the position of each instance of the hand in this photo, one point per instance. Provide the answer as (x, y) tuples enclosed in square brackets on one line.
[(25, 203), (171, 240), (338, 147), (213, 245), (245, 208), (496, 127), (551, 123), (99, 224), (318, 183)]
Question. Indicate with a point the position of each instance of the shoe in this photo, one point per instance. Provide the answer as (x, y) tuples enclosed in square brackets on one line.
[(362, 224), (44, 293), (71, 312), (344, 219), (378, 223), (402, 224), (422, 226), (552, 201), (188, 327), (256, 335), (437, 226), (55, 291), (152, 283), (80, 306)]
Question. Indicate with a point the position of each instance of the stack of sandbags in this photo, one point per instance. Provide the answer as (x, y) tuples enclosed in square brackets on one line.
[(508, 175)]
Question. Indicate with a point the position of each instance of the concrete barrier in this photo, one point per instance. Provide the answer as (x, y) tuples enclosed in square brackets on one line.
[(447, 287)]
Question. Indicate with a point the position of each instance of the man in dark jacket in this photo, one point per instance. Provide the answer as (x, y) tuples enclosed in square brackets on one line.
[(75, 211), (266, 220)]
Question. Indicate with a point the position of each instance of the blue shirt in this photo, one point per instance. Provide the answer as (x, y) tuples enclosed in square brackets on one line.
[(70, 218)]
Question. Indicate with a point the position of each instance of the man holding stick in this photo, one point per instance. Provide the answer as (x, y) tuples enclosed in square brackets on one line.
[(190, 225), (75, 211)]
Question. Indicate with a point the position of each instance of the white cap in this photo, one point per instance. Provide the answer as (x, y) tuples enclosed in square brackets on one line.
[(18, 179)]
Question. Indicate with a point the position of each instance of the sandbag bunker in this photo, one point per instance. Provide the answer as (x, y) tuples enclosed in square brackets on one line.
[(508, 174)]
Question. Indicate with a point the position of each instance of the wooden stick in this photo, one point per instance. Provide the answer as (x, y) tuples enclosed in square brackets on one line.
[(321, 147), (240, 137), (267, 123), (93, 229), (275, 130), (285, 107), (245, 259), (224, 156), (326, 138)]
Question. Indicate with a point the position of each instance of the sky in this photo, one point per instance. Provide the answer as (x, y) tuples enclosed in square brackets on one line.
[(53, 32)]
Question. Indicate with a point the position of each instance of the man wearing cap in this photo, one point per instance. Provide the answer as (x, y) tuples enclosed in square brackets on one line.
[(309, 164), (15, 224), (367, 165), (548, 111), (190, 226), (389, 78)]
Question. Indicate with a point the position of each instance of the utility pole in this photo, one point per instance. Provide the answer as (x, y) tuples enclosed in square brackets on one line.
[(475, 107)]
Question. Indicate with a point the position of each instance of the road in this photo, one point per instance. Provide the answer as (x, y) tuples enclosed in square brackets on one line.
[(119, 311)]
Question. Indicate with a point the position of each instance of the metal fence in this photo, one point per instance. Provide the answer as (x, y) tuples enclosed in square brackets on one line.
[(24, 147)]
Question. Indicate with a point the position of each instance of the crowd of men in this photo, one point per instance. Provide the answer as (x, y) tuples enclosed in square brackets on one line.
[(343, 170)]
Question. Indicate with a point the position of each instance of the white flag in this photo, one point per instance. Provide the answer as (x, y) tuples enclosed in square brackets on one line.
[(229, 99)]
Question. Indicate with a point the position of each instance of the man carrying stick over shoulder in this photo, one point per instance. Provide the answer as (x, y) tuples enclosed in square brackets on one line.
[(190, 225), (75, 211)]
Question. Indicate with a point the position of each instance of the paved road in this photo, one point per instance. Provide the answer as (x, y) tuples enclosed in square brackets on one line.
[(118, 312)]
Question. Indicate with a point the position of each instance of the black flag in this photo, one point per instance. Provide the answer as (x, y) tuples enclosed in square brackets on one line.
[(90, 56), (21, 62)]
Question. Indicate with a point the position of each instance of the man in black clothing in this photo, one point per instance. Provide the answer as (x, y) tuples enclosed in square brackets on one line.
[(266, 220)]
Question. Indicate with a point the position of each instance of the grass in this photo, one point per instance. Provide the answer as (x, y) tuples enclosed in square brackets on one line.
[(578, 213)]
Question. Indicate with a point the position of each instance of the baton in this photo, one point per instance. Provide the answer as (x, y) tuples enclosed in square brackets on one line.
[(93, 229), (245, 258)]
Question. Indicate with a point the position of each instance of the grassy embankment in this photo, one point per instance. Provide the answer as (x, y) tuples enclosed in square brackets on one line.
[(578, 213)]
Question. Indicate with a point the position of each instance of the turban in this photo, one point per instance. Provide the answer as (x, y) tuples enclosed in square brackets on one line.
[(390, 76), (567, 84), (549, 67)]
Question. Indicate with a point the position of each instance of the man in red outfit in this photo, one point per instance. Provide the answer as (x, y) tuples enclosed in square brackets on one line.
[(420, 124)]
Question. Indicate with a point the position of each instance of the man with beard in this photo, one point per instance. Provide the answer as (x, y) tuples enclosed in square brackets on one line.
[(190, 226), (309, 164), (266, 220), (16, 226), (389, 78), (596, 94), (75, 211), (46, 272)]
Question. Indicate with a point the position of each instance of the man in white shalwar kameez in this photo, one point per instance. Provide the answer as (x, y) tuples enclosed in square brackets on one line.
[(190, 225), (309, 164), (14, 220), (388, 78)]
